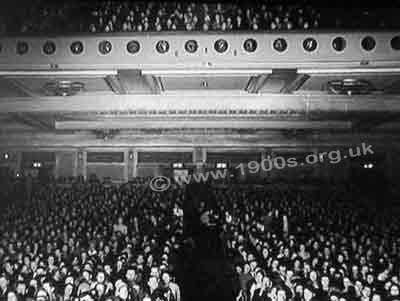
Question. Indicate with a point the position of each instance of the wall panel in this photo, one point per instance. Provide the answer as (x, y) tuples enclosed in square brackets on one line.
[(114, 172)]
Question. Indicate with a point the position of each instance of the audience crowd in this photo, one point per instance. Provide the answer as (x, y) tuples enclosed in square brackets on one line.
[(289, 244), (91, 242), (135, 16), (97, 242)]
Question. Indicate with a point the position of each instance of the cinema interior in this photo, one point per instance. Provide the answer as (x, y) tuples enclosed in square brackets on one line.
[(203, 150)]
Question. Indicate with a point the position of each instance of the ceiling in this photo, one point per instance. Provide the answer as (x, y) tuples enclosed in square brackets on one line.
[(36, 91)]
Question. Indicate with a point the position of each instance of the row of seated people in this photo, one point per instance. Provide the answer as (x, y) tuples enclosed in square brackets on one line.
[(285, 244), (127, 16), (311, 245), (91, 242)]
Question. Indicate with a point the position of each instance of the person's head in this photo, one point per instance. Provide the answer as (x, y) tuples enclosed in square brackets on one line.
[(154, 271), (12, 296), (325, 281), (107, 269), (50, 260), (100, 289), (152, 282), (47, 286), (334, 297), (289, 275), (281, 295), (387, 285), (306, 267), (260, 274), (297, 264), (166, 278), (376, 297), (86, 275), (100, 277), (253, 265), (121, 290), (42, 295), (246, 268), (346, 282), (250, 257), (282, 269), (140, 259), (265, 253), (313, 276), (86, 297), (275, 264), (68, 289), (308, 293), (8, 267), (21, 288), (314, 262), (370, 279), (130, 274), (3, 283), (286, 252), (299, 290), (394, 290), (366, 292), (120, 264)]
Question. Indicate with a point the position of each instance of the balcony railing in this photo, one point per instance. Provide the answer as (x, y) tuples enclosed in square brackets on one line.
[(199, 51)]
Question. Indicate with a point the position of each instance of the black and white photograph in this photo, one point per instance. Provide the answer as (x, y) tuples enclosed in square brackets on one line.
[(204, 150)]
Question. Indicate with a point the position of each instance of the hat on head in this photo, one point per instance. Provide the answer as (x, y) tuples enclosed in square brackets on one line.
[(119, 284), (86, 296), (83, 288), (42, 295), (69, 280)]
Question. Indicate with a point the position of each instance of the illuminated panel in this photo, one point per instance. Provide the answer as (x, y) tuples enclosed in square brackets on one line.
[(105, 157), (113, 172), (28, 158), (164, 157), (233, 157), (193, 51)]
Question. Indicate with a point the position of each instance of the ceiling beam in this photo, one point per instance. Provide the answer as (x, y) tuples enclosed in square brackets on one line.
[(368, 123), (115, 84), (294, 83), (84, 139), (57, 73), (183, 104), (133, 82), (340, 71), (155, 84), (32, 121), (255, 83), (149, 123), (16, 82), (227, 72)]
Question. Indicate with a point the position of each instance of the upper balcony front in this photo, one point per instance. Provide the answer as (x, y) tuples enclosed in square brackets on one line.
[(337, 62)]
